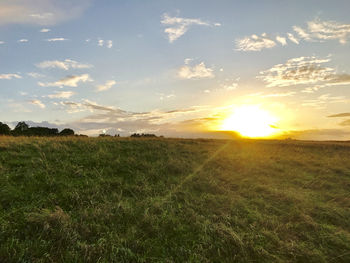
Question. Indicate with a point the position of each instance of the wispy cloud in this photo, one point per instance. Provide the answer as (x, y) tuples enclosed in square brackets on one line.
[(56, 39), (321, 101), (318, 30), (345, 123), (40, 12), (10, 76), (2, 42), (282, 94), (178, 26), (292, 38), (44, 30), (61, 95), (254, 43), (198, 71), (107, 43), (303, 70), (23, 40), (281, 40), (38, 103), (65, 64), (163, 96), (35, 75), (69, 81), (340, 115), (109, 84), (231, 86)]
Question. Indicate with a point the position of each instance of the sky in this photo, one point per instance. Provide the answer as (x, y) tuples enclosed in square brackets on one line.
[(178, 68)]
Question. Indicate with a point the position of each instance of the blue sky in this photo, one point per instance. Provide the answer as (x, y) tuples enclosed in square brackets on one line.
[(177, 68)]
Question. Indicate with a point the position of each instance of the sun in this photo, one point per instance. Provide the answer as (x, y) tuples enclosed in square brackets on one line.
[(251, 121)]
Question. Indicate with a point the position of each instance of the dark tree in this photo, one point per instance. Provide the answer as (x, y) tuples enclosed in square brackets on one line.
[(4, 129), (137, 135), (21, 129), (41, 131), (21, 126), (66, 132)]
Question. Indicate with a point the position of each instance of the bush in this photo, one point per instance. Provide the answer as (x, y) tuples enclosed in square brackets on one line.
[(66, 132), (4, 129)]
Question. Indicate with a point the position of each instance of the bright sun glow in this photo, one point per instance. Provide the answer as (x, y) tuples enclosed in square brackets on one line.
[(251, 121)]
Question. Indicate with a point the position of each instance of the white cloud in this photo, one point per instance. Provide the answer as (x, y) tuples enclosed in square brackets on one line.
[(321, 101), (61, 95), (66, 64), (109, 84), (196, 72), (292, 38), (254, 43), (282, 40), (10, 76), (107, 43), (23, 40), (56, 39), (283, 94), (166, 96), (312, 89), (2, 42), (302, 71), (70, 81), (318, 30), (43, 16), (178, 26), (40, 12), (231, 86), (38, 103), (35, 75), (45, 30), (302, 33)]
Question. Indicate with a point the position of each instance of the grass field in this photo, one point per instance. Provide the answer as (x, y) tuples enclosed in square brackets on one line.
[(173, 200)]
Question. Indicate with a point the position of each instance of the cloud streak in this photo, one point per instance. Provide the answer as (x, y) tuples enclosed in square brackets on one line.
[(65, 65), (69, 81), (61, 95), (339, 115), (10, 76), (56, 39), (178, 26), (40, 12), (302, 71), (318, 30), (255, 43), (108, 85), (38, 103)]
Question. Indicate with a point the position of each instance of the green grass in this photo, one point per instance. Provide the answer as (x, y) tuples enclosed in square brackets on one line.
[(173, 200)]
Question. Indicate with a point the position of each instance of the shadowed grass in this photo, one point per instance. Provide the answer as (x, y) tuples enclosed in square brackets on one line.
[(173, 200)]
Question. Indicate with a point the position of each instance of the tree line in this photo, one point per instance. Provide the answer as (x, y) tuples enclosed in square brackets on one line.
[(23, 129)]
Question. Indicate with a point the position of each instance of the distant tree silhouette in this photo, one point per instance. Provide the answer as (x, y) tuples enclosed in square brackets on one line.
[(4, 129), (21, 126), (66, 132), (137, 135), (23, 129), (20, 129), (41, 131)]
